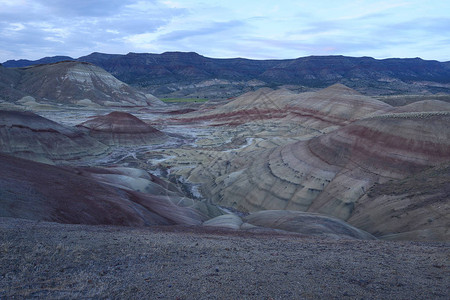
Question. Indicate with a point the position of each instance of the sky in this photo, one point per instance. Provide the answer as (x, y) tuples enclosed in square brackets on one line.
[(264, 29)]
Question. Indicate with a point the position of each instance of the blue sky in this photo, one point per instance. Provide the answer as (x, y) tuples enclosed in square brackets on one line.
[(235, 28)]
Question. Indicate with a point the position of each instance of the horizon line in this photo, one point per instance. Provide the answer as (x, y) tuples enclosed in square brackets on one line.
[(238, 57)]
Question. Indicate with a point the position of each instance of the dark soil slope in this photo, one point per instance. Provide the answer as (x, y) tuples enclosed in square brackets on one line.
[(42, 192)]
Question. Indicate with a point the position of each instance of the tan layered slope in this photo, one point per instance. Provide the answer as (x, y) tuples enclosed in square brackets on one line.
[(36, 191), (414, 208), (31, 136), (342, 164), (79, 83), (330, 174), (336, 105), (424, 106), (261, 105), (121, 128), (373, 150)]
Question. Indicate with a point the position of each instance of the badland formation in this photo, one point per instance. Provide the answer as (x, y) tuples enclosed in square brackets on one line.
[(332, 149)]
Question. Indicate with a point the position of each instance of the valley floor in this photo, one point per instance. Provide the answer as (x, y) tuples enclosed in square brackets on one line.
[(56, 261)]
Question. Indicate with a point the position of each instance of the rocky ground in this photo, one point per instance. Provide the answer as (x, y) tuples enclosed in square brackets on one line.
[(56, 261)]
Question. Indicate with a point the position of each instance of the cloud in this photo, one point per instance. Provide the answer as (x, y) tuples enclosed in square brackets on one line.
[(85, 8), (254, 29), (212, 28), (364, 10), (425, 24), (319, 27), (75, 28)]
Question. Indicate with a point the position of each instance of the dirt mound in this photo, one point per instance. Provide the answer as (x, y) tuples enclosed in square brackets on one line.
[(121, 128), (70, 82), (31, 136)]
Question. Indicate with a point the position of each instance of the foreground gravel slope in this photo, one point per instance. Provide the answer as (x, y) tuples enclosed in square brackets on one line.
[(49, 260)]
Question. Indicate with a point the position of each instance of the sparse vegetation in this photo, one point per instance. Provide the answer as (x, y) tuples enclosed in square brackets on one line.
[(183, 100), (399, 100)]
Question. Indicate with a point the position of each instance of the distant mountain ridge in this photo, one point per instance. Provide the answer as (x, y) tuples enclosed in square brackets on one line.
[(21, 63), (184, 73)]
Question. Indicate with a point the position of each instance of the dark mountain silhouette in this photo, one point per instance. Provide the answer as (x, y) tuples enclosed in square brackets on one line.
[(25, 62), (171, 71)]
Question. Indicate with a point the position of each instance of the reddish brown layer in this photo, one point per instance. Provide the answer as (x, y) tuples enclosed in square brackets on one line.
[(119, 122), (252, 115), (390, 145), (38, 191)]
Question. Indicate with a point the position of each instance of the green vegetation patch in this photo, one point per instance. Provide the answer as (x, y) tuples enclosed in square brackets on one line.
[(172, 100)]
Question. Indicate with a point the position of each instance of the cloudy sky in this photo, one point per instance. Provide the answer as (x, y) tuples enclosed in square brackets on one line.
[(234, 28)]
